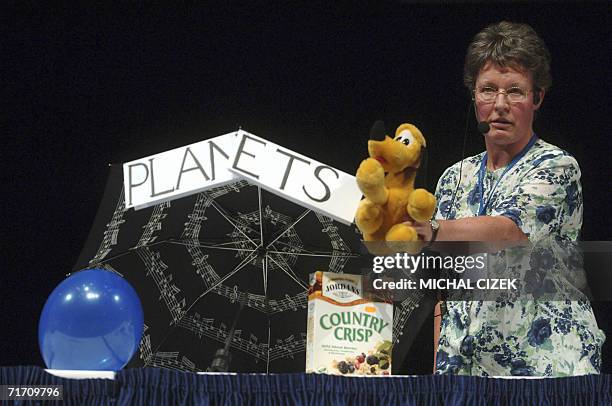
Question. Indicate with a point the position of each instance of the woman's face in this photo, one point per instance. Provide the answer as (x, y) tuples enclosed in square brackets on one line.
[(510, 122)]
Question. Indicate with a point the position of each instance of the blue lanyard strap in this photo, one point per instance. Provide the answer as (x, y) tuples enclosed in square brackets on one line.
[(483, 167)]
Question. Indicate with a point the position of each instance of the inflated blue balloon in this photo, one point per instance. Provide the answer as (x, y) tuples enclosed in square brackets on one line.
[(92, 320)]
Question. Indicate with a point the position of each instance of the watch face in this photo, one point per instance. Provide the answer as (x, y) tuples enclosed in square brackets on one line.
[(434, 224)]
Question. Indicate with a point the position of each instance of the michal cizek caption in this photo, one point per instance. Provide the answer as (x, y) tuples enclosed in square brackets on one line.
[(460, 265)]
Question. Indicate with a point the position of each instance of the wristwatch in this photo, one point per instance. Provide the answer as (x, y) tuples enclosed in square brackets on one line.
[(435, 226)]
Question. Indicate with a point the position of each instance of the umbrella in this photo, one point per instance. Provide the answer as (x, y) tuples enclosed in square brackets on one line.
[(224, 268)]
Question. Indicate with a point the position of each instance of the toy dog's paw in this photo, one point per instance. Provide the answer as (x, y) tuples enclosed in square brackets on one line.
[(370, 174), (371, 180), (401, 232), (369, 217), (405, 233), (421, 205)]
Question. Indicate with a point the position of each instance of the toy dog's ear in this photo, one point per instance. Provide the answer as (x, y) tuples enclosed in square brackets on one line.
[(378, 132)]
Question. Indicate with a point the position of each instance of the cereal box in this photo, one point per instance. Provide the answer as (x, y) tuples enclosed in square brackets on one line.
[(349, 330)]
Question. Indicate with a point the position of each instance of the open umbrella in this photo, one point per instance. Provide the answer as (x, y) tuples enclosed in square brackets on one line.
[(225, 268)]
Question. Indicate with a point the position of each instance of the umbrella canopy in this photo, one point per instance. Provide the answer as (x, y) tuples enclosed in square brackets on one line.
[(224, 267)]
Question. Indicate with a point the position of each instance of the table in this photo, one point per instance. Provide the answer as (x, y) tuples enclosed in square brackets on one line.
[(151, 386)]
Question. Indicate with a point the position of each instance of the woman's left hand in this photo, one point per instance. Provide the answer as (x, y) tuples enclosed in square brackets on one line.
[(423, 229)]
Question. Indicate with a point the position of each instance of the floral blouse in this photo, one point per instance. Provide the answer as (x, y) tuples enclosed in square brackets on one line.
[(541, 193)]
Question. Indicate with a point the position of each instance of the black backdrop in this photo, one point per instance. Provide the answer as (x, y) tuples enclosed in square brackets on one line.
[(85, 87)]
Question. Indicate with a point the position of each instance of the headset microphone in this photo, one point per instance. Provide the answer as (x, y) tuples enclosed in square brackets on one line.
[(483, 127)]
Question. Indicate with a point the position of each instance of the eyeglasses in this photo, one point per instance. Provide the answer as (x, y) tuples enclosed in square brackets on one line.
[(488, 94)]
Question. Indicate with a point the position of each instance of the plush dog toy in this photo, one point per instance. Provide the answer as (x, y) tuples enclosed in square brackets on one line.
[(387, 181)]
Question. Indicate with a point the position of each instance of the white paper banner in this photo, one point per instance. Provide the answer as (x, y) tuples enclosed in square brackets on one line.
[(191, 169), (296, 177), (179, 172)]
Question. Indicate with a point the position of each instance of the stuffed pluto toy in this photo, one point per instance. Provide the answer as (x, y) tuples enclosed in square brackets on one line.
[(386, 180)]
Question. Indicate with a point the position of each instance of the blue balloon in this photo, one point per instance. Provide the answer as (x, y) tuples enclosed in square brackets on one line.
[(92, 320)]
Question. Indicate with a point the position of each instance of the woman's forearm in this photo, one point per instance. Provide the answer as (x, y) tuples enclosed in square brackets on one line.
[(482, 228)]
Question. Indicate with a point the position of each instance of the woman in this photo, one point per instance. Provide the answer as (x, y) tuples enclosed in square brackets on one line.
[(520, 188)]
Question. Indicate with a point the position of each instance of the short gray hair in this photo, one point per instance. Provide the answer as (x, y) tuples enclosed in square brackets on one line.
[(508, 44)]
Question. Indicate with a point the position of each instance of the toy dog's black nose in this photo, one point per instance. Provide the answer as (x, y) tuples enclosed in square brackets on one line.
[(377, 132)]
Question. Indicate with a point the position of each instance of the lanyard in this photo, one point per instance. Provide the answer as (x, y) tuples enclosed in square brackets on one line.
[(483, 167)]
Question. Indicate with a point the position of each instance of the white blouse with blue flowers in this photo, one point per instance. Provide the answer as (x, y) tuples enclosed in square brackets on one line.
[(542, 195)]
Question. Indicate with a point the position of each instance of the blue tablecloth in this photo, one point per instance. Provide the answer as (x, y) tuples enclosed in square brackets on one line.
[(149, 386)]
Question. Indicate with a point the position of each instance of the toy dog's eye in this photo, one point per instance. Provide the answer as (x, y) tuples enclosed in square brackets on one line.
[(405, 137)]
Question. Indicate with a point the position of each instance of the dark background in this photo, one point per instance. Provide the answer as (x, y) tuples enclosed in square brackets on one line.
[(86, 87)]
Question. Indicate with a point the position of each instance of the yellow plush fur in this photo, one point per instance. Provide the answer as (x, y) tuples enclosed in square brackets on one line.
[(386, 179)]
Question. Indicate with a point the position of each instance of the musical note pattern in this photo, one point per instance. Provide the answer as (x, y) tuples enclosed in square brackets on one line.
[(110, 268), (204, 327), (163, 359), (168, 291), (169, 360), (190, 236), (218, 191), (341, 252), (153, 225), (288, 347), (331, 229), (283, 348), (258, 302), (402, 312), (196, 217), (146, 352), (249, 224), (112, 231), (279, 253)]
